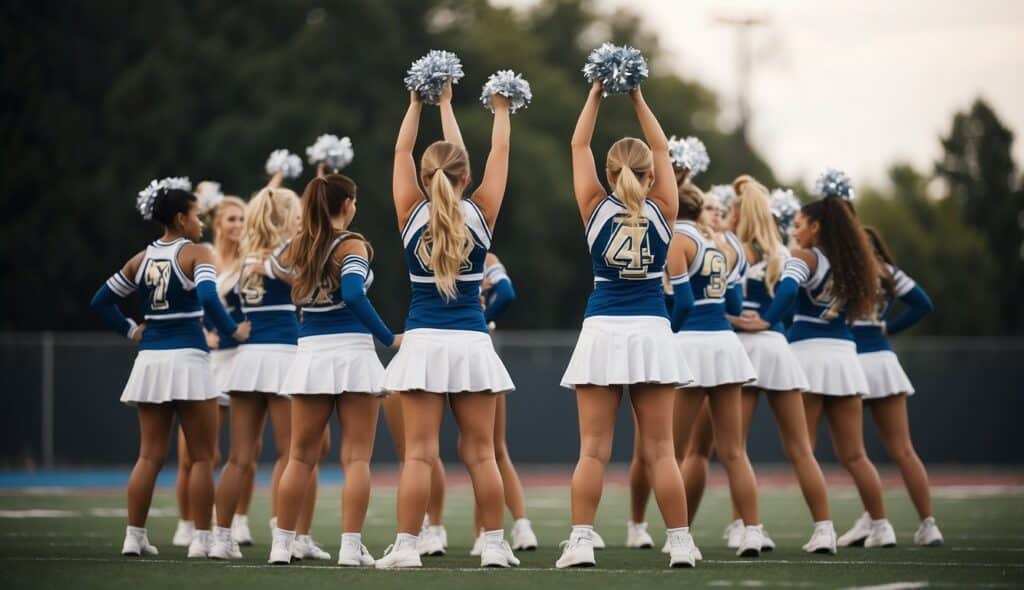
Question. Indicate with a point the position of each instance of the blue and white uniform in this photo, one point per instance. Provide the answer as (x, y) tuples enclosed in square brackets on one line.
[(173, 361), (885, 374), (499, 293), (446, 347), (769, 352), (626, 336), (819, 337), (263, 361), (713, 352), (222, 359), (335, 352)]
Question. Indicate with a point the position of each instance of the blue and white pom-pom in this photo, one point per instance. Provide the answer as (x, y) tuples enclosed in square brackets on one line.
[(148, 196), (285, 162), (725, 195), (510, 85), (784, 207), (209, 195), (428, 74), (834, 183), (689, 153), (335, 153), (620, 69)]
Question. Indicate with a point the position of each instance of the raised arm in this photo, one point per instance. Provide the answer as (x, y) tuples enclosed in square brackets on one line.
[(665, 191), (449, 124), (585, 182), (405, 185), (489, 195)]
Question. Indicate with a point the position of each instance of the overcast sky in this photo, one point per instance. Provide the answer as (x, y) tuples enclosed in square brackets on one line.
[(851, 84)]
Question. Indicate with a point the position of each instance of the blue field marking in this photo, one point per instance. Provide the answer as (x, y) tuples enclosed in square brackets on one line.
[(117, 477)]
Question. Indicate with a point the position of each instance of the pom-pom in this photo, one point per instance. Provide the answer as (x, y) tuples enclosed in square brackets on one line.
[(725, 195), (148, 196), (285, 162), (689, 153), (333, 152), (510, 85), (428, 74), (619, 69), (784, 206), (834, 183), (209, 195)]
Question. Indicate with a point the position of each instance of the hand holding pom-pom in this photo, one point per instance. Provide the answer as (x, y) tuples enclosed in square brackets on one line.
[(511, 86), (284, 163), (689, 154), (619, 69), (784, 207), (428, 74), (331, 151)]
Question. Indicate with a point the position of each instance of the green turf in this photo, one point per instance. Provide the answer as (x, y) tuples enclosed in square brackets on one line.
[(984, 534)]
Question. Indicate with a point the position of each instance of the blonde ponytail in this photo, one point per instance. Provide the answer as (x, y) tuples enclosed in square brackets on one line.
[(757, 227), (447, 237)]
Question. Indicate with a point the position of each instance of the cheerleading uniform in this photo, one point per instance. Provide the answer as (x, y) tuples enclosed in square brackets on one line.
[(499, 293), (222, 359), (627, 335), (884, 373), (446, 347)]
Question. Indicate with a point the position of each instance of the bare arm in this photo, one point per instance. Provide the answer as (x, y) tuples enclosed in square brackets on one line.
[(449, 124), (276, 180), (585, 182), (807, 256), (665, 191), (491, 192), (405, 185)]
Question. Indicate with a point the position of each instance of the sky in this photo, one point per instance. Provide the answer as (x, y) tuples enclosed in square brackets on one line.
[(853, 85)]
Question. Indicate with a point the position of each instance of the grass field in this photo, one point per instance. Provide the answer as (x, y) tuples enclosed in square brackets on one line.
[(61, 538)]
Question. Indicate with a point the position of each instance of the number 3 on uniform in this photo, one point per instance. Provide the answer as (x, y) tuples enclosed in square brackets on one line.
[(629, 249), (158, 278)]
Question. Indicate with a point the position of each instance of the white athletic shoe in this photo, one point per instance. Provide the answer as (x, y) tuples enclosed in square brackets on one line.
[(240, 530), (857, 534), (823, 539), (353, 553), (224, 547), (429, 543), (136, 543), (200, 545), (396, 557), (753, 540), (305, 547), (597, 540), (577, 552), (183, 533), (523, 537), (697, 555), (441, 533), (478, 545), (882, 534), (281, 547), (766, 542), (733, 534), (637, 536), (272, 523), (681, 549), (498, 554), (928, 533)]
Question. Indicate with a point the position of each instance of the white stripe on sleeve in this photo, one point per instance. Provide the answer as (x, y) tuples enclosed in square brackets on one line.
[(797, 270), (204, 272), (679, 279), (353, 264), (119, 284)]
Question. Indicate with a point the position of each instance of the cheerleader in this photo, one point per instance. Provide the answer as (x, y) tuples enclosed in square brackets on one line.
[(779, 374), (176, 280), (446, 347), (626, 337), (336, 368), (496, 294), (889, 387), (833, 278)]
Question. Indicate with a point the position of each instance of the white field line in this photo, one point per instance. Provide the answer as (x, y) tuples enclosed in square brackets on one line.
[(892, 586)]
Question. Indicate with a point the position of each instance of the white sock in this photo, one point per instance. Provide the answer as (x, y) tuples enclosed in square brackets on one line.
[(582, 531), (356, 538), (494, 537), (239, 520), (436, 528), (283, 536), (678, 529), (737, 522), (879, 522), (136, 531), (521, 522), (929, 521), (186, 523), (823, 524), (403, 539), (632, 524), (755, 527), (222, 532)]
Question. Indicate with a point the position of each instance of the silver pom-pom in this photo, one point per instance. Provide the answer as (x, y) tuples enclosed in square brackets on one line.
[(335, 153), (618, 68), (689, 153), (784, 206), (428, 74), (209, 195), (725, 195), (834, 183), (148, 196), (510, 85), (285, 162)]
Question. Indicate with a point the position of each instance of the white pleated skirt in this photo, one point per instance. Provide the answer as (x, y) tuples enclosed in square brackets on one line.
[(621, 350), (774, 362), (221, 363), (261, 368), (831, 366), (716, 358), (885, 374), (161, 376), (447, 361), (333, 364)]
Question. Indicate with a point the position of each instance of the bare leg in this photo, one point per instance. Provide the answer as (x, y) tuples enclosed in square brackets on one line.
[(750, 399), (597, 407), (727, 420), (248, 413), (474, 413), (199, 421), (155, 422), (639, 486), (515, 499), (181, 483), (309, 414), (279, 410), (653, 406), (421, 413), (890, 415), (694, 441), (435, 508), (358, 416), (814, 409), (245, 498), (788, 408), (845, 422)]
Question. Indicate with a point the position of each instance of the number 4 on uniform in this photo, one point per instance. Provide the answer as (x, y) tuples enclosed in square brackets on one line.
[(629, 249)]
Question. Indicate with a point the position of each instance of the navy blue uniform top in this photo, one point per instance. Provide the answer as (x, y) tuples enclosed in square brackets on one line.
[(756, 295), (709, 279), (169, 302), (819, 313), (267, 302), (870, 334)]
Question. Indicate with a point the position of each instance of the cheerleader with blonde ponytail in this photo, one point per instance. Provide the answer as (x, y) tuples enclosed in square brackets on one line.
[(447, 350)]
